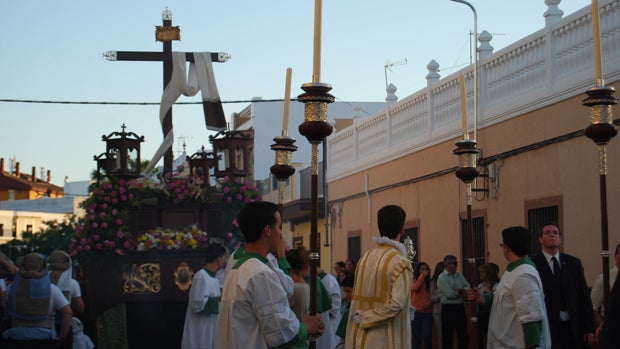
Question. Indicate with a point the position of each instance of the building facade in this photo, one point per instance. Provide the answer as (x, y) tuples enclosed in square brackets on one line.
[(537, 162)]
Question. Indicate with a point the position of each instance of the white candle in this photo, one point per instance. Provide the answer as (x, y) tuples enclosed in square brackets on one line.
[(316, 71), (287, 101), (463, 106), (596, 38)]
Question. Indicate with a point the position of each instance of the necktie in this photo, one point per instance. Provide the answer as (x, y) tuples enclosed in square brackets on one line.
[(557, 276), (556, 266)]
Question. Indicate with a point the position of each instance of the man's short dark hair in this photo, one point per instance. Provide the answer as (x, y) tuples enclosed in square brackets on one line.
[(555, 224), (390, 220), (449, 259), (214, 251), (254, 217), (518, 239)]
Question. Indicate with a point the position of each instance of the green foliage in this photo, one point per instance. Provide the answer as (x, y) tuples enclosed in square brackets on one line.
[(56, 236)]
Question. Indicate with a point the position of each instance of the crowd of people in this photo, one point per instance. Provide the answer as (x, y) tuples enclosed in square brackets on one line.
[(259, 296), (39, 302)]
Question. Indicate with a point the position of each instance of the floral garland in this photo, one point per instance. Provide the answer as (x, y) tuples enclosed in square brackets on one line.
[(105, 227), (170, 239)]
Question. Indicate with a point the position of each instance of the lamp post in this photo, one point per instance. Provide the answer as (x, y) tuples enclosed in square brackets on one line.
[(475, 63)]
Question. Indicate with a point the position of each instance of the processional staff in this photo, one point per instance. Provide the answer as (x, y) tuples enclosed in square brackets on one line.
[(601, 130), (315, 128)]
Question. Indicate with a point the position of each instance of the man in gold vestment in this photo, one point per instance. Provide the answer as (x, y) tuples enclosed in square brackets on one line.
[(379, 311)]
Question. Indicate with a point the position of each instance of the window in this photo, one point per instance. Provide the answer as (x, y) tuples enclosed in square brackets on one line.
[(539, 212), (535, 219), (471, 274), (29, 228), (298, 241), (354, 248), (1, 229)]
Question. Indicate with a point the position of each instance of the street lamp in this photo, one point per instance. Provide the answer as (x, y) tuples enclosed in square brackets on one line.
[(475, 63)]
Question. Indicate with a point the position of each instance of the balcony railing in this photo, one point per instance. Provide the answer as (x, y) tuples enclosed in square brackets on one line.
[(550, 65)]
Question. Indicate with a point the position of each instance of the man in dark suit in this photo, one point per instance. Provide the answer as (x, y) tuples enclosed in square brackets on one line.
[(569, 308)]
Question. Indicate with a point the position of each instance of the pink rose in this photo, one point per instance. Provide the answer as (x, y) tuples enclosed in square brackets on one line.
[(99, 246), (86, 248), (120, 234)]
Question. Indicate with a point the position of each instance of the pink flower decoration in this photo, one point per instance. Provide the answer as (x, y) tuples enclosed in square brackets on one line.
[(99, 246), (96, 237), (120, 234), (127, 244), (114, 212), (119, 221), (94, 225), (86, 248), (229, 236), (229, 199), (104, 225)]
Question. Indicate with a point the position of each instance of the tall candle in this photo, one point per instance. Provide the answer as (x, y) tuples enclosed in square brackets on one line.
[(316, 66), (287, 101), (463, 106), (596, 38)]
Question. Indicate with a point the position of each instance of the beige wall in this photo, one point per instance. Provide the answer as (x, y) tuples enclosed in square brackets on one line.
[(566, 172)]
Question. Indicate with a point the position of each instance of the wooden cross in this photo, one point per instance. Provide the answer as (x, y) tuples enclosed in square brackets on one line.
[(166, 34)]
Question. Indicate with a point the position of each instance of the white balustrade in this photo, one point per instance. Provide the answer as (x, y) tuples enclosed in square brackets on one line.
[(550, 65)]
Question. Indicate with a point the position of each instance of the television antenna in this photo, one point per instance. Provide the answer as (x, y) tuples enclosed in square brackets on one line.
[(388, 66)]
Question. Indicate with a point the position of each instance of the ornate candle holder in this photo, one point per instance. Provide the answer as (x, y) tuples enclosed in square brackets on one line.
[(284, 147)]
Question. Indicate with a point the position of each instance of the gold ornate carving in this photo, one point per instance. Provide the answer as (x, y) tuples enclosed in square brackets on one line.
[(183, 276), (167, 34), (142, 278)]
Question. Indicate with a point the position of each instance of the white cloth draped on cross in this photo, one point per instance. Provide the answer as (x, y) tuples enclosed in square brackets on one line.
[(200, 78)]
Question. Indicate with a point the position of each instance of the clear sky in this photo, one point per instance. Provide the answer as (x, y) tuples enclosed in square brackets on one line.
[(52, 51)]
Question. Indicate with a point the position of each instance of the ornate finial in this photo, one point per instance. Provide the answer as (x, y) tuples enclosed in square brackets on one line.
[(166, 15), (123, 127), (411, 252)]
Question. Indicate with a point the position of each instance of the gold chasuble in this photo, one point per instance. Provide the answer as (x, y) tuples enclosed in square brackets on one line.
[(381, 295)]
